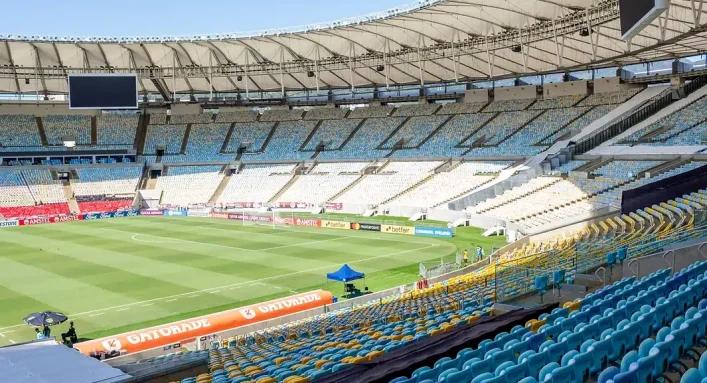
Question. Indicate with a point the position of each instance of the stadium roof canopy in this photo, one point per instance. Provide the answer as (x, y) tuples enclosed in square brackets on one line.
[(430, 41)]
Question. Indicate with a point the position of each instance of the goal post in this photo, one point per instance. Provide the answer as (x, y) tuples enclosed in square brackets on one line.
[(282, 220)]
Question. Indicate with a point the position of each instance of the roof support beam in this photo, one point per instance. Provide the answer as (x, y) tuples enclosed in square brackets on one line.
[(523, 53), (133, 63), (260, 60), (86, 63), (58, 59), (282, 80), (213, 49), (351, 54), (489, 59), (38, 69), (174, 76), (454, 56), (591, 36), (12, 66), (316, 69), (176, 60), (420, 63), (158, 82), (207, 77), (247, 65), (350, 65), (386, 60), (696, 12), (559, 47), (105, 58), (663, 22), (293, 54)]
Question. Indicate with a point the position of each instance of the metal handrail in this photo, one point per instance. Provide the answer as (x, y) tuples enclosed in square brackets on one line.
[(699, 249), (596, 274), (672, 265), (636, 272)]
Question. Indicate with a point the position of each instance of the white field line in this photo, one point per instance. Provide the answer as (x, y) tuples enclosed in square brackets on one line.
[(301, 229), (173, 240), (171, 300), (123, 309), (13, 342), (149, 302), (2, 335), (176, 240), (305, 243)]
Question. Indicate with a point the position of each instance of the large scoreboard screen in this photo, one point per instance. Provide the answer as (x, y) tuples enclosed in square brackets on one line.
[(103, 91), (637, 14)]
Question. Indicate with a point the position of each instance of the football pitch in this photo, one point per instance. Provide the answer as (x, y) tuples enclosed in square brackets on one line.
[(117, 275)]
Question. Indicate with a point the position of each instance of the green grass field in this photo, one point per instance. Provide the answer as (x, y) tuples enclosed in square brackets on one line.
[(117, 275)]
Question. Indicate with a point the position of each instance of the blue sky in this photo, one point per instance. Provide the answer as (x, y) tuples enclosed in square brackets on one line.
[(154, 17)]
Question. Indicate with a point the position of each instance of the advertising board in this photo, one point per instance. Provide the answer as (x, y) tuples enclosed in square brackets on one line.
[(307, 222), (198, 213), (52, 219), (9, 223), (248, 217), (171, 213), (365, 226), (433, 232), (336, 225), (151, 212), (334, 205), (395, 229), (92, 216), (161, 336)]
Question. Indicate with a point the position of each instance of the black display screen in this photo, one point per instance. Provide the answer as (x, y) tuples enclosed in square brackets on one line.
[(103, 91), (632, 11)]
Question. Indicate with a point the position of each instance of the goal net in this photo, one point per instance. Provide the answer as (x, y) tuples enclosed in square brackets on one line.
[(273, 219)]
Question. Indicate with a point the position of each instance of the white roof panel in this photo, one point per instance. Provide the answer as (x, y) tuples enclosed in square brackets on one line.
[(474, 34)]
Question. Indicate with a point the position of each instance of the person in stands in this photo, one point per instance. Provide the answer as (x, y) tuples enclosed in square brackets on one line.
[(47, 332), (466, 257), (40, 335), (479, 253)]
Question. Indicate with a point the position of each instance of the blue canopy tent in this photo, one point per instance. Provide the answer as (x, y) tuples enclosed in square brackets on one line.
[(346, 274)]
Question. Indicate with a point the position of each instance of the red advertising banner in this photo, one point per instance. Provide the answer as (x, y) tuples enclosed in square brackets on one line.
[(294, 205), (160, 336), (52, 219), (278, 219), (243, 205), (334, 205), (248, 217), (151, 212), (307, 222)]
